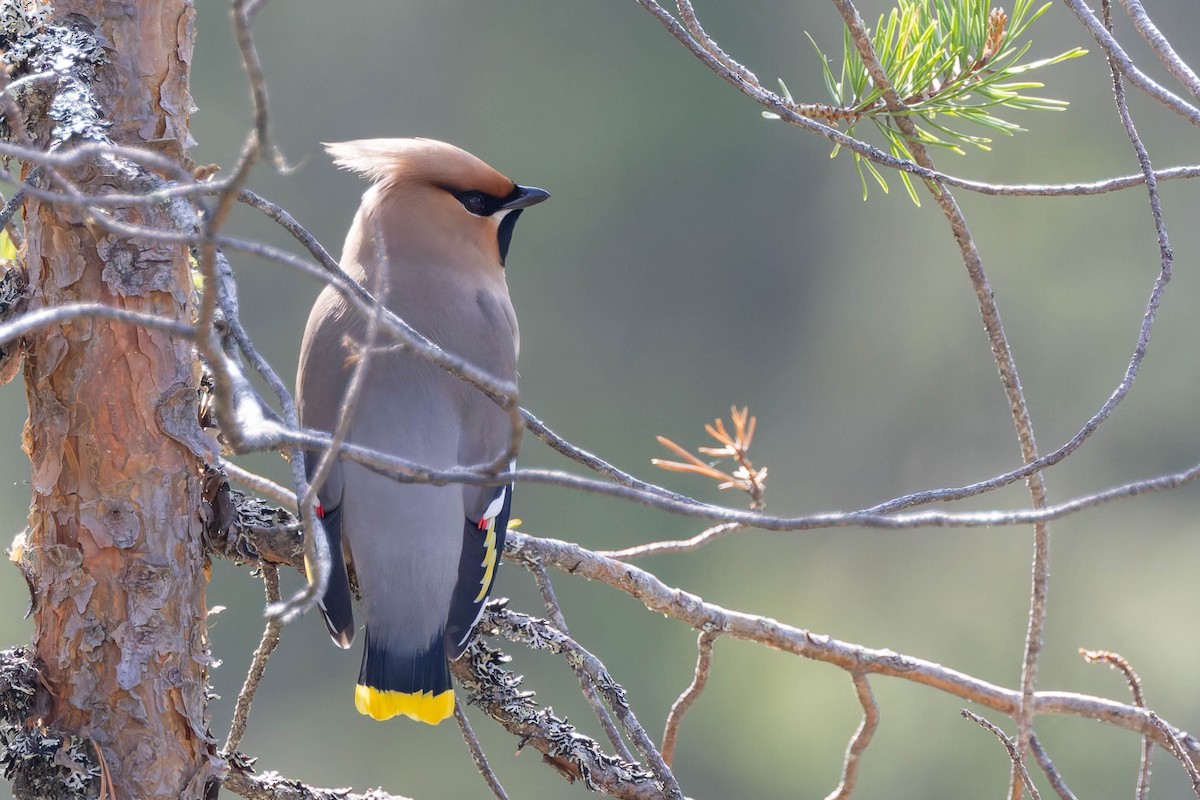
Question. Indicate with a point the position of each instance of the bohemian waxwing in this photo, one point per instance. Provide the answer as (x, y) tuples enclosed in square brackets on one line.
[(439, 221)]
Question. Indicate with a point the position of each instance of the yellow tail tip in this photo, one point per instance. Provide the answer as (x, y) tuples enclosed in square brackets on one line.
[(425, 707)]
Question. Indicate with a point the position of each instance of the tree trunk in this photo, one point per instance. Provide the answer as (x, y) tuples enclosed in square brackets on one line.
[(113, 552)]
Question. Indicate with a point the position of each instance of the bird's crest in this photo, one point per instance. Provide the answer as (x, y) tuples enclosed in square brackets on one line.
[(394, 161)]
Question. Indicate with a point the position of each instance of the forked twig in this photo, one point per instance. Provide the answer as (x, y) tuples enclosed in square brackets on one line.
[(550, 599), (1176, 747), (537, 634), (1118, 662), (1013, 753)]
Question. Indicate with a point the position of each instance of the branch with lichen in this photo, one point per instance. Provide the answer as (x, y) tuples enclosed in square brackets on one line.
[(493, 688), (251, 531)]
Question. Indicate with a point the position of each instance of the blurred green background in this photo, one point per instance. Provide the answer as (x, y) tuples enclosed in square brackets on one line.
[(695, 255)]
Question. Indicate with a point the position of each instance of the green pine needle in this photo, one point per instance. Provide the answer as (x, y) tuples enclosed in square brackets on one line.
[(951, 62)]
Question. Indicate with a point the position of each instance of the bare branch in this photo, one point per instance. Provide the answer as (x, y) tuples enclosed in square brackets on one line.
[(258, 664), (289, 223), (407, 471), (704, 647), (320, 558), (477, 755), (692, 610), (677, 546), (1005, 363), (1124, 63), (1069, 189), (244, 12), (860, 741), (1117, 662), (1013, 752), (1056, 780), (1180, 749), (259, 484), (594, 462), (546, 588), (742, 79), (1162, 48), (61, 315), (1167, 262)]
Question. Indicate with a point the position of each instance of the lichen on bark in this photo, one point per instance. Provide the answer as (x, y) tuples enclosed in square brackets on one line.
[(113, 553)]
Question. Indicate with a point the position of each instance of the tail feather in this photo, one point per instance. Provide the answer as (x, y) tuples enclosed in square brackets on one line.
[(398, 680), (483, 544), (336, 605)]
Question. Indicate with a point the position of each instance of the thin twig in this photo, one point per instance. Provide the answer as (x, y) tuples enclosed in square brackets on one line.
[(477, 754), (1177, 748), (693, 611), (1161, 47), (244, 12), (704, 647), (731, 72), (263, 486), (1052, 774), (502, 392), (1125, 64), (594, 462), (539, 635), (675, 546), (550, 599), (861, 739), (1013, 752), (1166, 267), (258, 664), (327, 459), (406, 471), (64, 315), (1005, 363), (604, 468), (1117, 662)]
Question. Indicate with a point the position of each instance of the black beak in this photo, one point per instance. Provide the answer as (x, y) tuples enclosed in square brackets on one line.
[(524, 197)]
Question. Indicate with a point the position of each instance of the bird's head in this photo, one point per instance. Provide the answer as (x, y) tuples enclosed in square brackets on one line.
[(438, 197)]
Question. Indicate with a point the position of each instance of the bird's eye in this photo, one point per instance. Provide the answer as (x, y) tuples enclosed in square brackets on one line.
[(475, 202)]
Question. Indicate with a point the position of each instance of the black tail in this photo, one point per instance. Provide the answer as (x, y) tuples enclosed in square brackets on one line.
[(397, 680), (483, 544), (336, 605)]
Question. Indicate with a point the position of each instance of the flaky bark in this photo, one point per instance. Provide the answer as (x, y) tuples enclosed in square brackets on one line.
[(113, 551)]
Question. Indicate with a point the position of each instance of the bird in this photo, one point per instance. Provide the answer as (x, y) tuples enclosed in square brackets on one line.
[(438, 222)]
